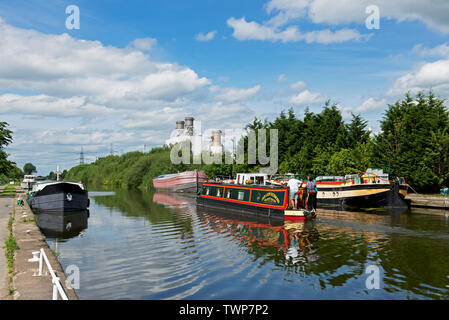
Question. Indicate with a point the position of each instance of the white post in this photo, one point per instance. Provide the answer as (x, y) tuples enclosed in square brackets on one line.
[(55, 288), (41, 258)]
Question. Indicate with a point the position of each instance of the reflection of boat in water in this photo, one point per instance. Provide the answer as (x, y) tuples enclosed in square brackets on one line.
[(58, 196), (188, 181), (291, 238), (62, 224), (173, 199)]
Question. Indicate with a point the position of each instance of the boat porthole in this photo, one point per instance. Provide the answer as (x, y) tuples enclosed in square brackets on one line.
[(69, 197), (68, 226)]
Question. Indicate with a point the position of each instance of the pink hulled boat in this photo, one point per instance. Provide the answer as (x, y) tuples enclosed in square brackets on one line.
[(187, 181)]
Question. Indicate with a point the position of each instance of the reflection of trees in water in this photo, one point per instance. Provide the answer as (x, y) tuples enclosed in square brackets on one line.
[(137, 203), (300, 247), (423, 261), (412, 250), (336, 249)]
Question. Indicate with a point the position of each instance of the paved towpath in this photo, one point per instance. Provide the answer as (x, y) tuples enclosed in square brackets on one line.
[(6, 204), (29, 239)]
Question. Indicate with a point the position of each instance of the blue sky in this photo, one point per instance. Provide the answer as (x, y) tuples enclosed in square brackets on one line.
[(135, 67)]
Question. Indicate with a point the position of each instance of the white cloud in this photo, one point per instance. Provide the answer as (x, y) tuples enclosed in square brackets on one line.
[(206, 37), (43, 105), (233, 94), (298, 86), (307, 98), (224, 115), (144, 44), (282, 78), (431, 75), (244, 30), (371, 104), (163, 118), (433, 13), (346, 112), (112, 91), (62, 66), (252, 30), (438, 51)]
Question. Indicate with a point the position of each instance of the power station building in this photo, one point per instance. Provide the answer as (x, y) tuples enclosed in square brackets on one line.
[(189, 129)]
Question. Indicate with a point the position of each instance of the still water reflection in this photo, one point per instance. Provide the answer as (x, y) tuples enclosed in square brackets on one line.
[(161, 246)]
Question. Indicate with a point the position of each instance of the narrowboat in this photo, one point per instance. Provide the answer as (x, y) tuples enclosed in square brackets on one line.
[(254, 199), (371, 189), (188, 181)]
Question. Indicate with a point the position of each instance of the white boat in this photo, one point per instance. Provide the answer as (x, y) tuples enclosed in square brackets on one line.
[(28, 181)]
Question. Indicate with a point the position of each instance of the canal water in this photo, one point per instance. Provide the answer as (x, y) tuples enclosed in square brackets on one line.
[(138, 245)]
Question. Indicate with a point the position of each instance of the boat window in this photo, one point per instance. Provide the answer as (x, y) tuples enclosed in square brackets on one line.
[(228, 194), (241, 195), (259, 180), (218, 193), (207, 191)]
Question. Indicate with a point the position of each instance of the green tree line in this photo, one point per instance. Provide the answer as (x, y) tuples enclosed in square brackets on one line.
[(413, 143), (8, 169)]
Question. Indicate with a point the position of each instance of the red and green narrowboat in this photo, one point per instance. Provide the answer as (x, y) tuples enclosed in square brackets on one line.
[(258, 200)]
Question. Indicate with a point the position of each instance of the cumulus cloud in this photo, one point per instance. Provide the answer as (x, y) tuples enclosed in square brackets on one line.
[(284, 13), (144, 44), (244, 30), (433, 13), (62, 66), (307, 97), (205, 37), (439, 51), (121, 95), (224, 115), (371, 104), (232, 94), (163, 118), (44, 105), (297, 86), (430, 75)]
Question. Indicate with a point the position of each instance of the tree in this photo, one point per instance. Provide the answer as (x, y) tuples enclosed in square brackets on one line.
[(8, 169), (357, 132), (29, 168), (413, 141)]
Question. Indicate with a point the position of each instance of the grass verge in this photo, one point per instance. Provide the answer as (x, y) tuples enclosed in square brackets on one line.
[(11, 246)]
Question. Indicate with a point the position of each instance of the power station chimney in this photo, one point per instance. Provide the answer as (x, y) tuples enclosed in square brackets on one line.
[(189, 126)]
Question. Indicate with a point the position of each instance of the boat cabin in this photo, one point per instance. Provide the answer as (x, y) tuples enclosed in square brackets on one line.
[(251, 178)]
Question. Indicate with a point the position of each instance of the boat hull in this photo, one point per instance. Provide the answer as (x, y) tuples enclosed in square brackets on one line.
[(60, 198), (363, 195), (188, 181), (242, 208), (257, 201)]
